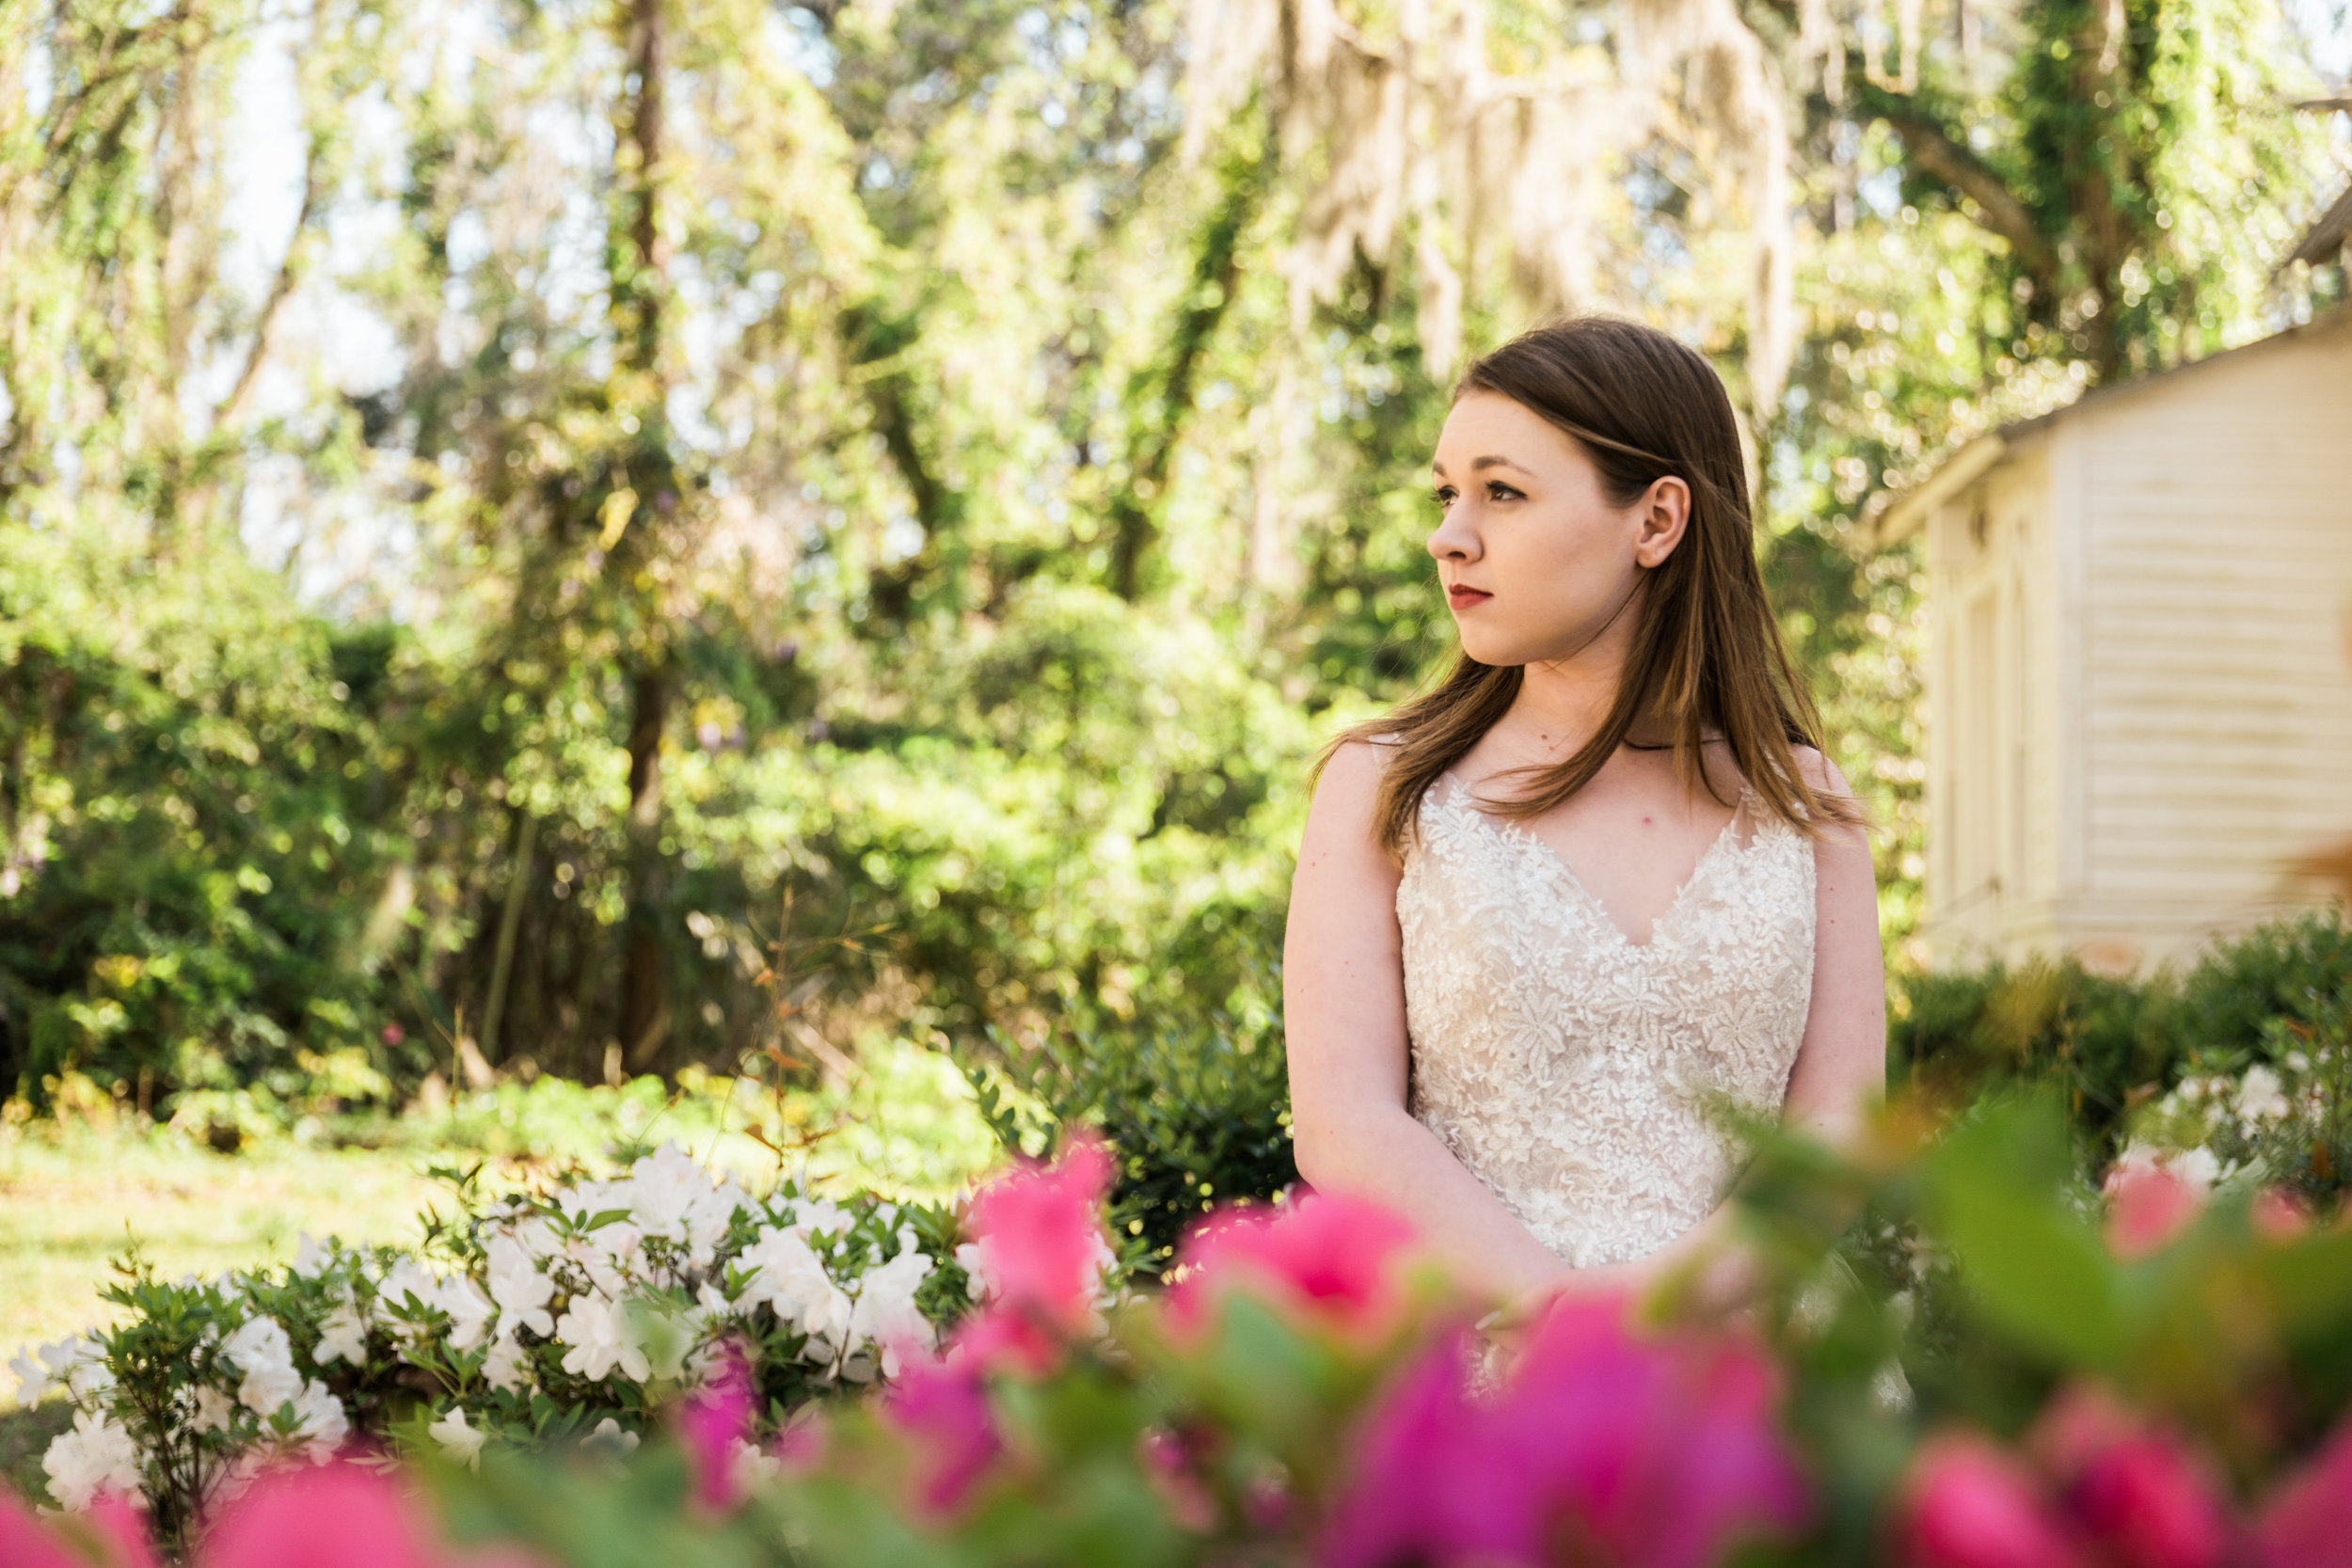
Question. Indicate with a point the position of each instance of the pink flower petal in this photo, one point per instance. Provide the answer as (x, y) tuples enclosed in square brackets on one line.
[(1966, 1504), (25, 1544), (713, 1423), (2148, 1206), (1041, 1230), (2307, 1522), (1648, 1453), (340, 1515), (1332, 1258), (942, 1407)]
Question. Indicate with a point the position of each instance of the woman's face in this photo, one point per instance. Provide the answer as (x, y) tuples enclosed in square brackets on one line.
[(1535, 557)]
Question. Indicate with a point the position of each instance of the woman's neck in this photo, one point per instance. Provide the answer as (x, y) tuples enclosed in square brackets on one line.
[(1561, 703)]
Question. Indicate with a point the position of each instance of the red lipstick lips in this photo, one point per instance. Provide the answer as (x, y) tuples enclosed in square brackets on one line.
[(1463, 597)]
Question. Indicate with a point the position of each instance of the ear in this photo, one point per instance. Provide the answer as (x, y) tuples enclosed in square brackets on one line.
[(1663, 514)]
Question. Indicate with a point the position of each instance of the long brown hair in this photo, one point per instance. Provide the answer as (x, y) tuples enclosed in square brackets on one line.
[(1706, 653)]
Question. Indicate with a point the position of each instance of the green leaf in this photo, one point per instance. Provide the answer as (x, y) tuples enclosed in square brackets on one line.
[(2037, 1270)]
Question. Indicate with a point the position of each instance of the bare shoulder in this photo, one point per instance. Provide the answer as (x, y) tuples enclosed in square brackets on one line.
[(1351, 782), (1822, 774), (1347, 801)]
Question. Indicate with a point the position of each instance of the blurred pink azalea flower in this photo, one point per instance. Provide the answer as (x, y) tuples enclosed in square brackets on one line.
[(2149, 1205), (715, 1424), (2307, 1522), (1968, 1504), (2280, 1215), (1604, 1446), (940, 1404), (1332, 1258), (2097, 1484), (2140, 1496), (340, 1515), (1036, 1259), (107, 1535)]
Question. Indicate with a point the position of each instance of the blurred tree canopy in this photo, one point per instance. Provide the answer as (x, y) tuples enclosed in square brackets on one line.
[(685, 530)]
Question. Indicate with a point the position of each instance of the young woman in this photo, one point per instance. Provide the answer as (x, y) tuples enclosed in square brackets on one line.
[(1549, 916)]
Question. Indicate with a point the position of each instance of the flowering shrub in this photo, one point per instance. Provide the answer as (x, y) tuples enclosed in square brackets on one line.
[(2035, 1375), (2285, 1119), (528, 1318)]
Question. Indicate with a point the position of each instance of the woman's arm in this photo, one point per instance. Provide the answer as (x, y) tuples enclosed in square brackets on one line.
[(1344, 1012), (1841, 1073)]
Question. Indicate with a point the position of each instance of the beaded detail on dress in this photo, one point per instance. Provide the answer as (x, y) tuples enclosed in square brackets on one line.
[(1575, 1071)]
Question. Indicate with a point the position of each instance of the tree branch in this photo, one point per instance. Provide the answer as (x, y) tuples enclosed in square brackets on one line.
[(1939, 156), (280, 288)]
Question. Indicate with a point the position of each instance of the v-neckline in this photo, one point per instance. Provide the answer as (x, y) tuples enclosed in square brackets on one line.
[(1726, 840)]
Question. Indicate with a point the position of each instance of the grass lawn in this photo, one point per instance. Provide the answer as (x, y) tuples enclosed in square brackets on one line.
[(71, 1201), (68, 1203)]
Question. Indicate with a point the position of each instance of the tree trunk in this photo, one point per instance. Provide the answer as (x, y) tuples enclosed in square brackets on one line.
[(2092, 195), (645, 976), (519, 881), (1165, 407), (638, 291)]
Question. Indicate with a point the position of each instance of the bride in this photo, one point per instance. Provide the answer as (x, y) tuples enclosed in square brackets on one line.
[(1549, 914)]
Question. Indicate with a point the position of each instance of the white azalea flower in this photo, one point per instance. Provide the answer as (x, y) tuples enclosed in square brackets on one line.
[(97, 1456), (539, 1238), (2261, 1097), (458, 1440), (215, 1411), (709, 1219), (342, 1336), (611, 1437), (469, 1312), (885, 1313), (599, 1264), (979, 1270), (2200, 1167), (521, 1292), (407, 1279), (32, 1378), (752, 1468), (320, 1421), (260, 1350), (506, 1368), (311, 1256), (597, 1329), (77, 1364), (792, 1280), (666, 1183), (818, 1216)]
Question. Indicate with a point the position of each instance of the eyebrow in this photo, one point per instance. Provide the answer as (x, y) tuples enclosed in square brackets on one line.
[(1480, 463)]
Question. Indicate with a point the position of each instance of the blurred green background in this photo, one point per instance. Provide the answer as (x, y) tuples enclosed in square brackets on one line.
[(589, 541)]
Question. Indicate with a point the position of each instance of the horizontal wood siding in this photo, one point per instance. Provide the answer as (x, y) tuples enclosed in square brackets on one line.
[(2216, 509)]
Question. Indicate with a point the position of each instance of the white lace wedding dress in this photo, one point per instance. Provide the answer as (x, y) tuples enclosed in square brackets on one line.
[(1574, 1071)]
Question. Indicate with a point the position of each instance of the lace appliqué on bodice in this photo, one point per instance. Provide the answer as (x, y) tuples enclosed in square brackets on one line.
[(1574, 1071)]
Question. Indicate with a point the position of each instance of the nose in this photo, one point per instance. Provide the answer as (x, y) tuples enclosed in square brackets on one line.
[(1454, 538)]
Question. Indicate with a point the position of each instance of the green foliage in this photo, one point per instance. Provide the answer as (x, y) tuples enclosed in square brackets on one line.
[(197, 813), (876, 557), (2110, 1045), (1197, 1110)]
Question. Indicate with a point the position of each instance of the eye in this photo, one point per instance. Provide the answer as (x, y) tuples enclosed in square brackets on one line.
[(1444, 497), (1497, 490)]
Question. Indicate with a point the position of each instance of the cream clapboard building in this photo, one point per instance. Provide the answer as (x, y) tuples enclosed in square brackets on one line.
[(2140, 676)]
